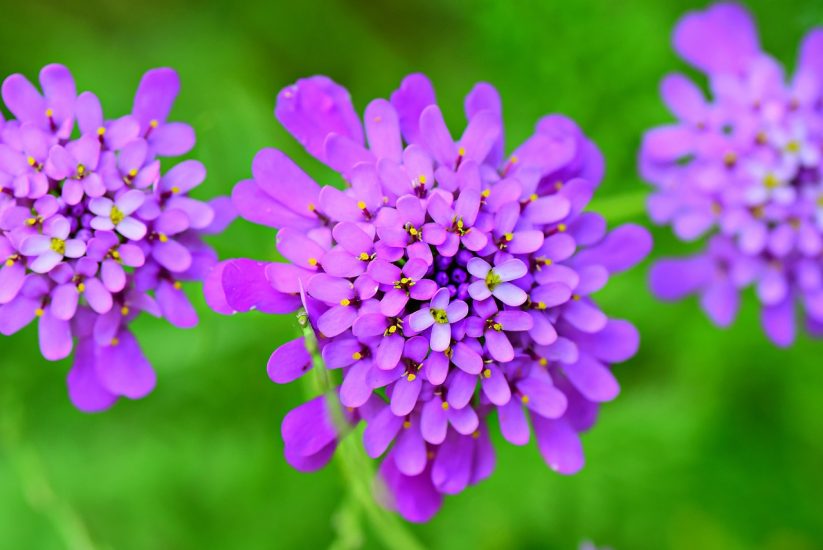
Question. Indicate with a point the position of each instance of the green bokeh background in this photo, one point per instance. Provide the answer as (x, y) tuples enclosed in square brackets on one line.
[(715, 441)]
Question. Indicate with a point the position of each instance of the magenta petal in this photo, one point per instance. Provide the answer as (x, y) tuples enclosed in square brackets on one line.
[(414, 497), (594, 380), (175, 305), (779, 322), (355, 390), (289, 362), (336, 320), (11, 281), (172, 255), (308, 430), (380, 432), (246, 286), (55, 337), (404, 395), (559, 445), (409, 452), (451, 470), (123, 370), (86, 392), (513, 423)]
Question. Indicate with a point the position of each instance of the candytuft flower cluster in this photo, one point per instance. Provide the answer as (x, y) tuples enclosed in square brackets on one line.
[(92, 232), (446, 282), (744, 169)]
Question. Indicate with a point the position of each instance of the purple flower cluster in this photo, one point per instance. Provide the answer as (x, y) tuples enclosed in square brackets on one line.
[(744, 169), (446, 282), (92, 232)]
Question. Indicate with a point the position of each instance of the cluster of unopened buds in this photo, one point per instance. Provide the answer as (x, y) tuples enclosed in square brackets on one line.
[(92, 232)]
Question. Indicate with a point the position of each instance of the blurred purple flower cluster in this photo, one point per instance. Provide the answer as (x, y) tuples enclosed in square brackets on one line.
[(92, 232), (744, 169), (447, 281)]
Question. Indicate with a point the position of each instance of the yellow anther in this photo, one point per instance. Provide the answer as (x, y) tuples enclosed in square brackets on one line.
[(31, 221), (364, 256), (116, 215), (357, 356), (154, 123), (124, 311), (524, 398), (461, 151), (771, 181), (101, 131), (558, 185), (49, 112), (413, 232), (547, 261), (514, 159), (533, 197), (115, 254), (392, 329), (475, 435), (412, 377), (115, 341), (39, 312), (361, 205), (487, 373), (543, 361), (793, 146), (162, 237), (445, 406), (312, 262), (508, 236), (575, 297), (730, 159), (311, 207), (406, 424), (9, 262), (32, 161), (541, 305), (422, 179), (497, 326), (58, 245), (561, 227), (81, 169), (485, 193), (345, 302), (460, 223), (81, 288), (761, 138), (758, 212), (177, 285)]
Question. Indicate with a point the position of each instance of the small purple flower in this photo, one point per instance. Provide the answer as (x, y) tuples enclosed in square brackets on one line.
[(743, 169), (494, 281), (428, 229), (52, 245), (439, 316), (116, 214), (92, 233)]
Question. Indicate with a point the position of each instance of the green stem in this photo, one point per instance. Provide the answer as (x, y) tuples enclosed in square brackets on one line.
[(35, 483), (621, 207), (355, 465)]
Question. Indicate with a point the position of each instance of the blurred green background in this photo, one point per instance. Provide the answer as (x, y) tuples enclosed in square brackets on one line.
[(715, 441)]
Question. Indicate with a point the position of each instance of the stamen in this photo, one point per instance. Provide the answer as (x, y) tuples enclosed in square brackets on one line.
[(345, 302), (39, 312), (116, 216), (357, 356), (487, 373), (177, 285)]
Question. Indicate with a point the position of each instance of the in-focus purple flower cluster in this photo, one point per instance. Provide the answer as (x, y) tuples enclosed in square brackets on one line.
[(446, 282), (743, 169), (92, 232)]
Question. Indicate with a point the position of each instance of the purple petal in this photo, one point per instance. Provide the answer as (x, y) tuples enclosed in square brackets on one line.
[(123, 370), (289, 362)]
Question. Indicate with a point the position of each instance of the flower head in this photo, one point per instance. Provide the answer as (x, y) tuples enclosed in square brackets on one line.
[(444, 283), (91, 231), (742, 168)]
